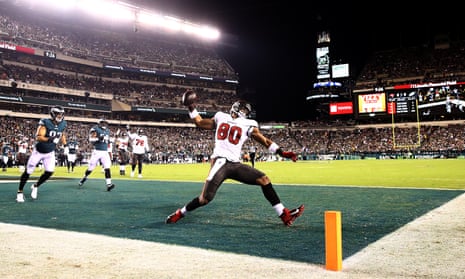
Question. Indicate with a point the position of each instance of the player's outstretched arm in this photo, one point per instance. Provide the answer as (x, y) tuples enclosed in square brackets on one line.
[(189, 100), (272, 146)]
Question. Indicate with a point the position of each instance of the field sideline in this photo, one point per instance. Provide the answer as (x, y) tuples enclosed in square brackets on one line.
[(421, 173)]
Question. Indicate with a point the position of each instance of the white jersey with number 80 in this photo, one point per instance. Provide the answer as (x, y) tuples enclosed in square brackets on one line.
[(230, 135)]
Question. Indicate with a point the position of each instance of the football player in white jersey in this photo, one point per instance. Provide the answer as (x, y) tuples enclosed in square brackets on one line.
[(23, 149), (232, 131), (122, 145), (140, 146)]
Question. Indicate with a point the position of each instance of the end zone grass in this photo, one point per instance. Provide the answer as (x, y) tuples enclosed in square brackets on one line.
[(437, 173)]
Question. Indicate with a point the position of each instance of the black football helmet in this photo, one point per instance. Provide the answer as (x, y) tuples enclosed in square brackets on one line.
[(103, 123), (141, 132), (57, 113), (241, 109)]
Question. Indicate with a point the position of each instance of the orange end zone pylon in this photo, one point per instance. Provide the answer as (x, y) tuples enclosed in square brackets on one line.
[(333, 240)]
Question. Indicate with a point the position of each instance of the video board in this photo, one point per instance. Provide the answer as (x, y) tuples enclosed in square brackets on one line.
[(428, 101), (371, 103), (322, 58)]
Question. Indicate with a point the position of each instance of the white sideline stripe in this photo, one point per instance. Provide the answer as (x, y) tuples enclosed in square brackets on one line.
[(408, 252)]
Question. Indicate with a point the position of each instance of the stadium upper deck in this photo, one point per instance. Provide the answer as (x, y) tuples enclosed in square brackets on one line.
[(110, 72), (114, 72)]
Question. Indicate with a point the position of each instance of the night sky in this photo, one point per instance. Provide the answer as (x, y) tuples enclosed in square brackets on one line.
[(271, 44)]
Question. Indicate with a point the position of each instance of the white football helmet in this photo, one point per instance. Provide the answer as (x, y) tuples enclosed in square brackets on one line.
[(241, 109)]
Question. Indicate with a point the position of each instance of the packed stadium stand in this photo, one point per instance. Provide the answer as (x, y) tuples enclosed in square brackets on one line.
[(137, 78)]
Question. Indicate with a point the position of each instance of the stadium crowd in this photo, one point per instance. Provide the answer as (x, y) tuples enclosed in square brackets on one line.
[(434, 62), (112, 46), (190, 145), (82, 79)]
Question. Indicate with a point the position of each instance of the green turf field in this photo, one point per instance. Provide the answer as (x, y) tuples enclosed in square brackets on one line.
[(240, 220), (438, 173)]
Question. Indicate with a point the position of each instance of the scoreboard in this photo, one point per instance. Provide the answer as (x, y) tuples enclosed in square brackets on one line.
[(402, 102), (384, 103)]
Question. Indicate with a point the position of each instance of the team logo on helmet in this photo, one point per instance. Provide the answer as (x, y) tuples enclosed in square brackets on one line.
[(57, 113)]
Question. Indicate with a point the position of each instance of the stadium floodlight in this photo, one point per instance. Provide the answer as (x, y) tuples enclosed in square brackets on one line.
[(210, 33), (106, 10), (63, 5), (200, 31), (128, 5), (189, 28), (172, 23), (123, 12), (150, 19)]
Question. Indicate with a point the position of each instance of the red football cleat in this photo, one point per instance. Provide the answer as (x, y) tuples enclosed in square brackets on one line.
[(288, 216), (174, 217)]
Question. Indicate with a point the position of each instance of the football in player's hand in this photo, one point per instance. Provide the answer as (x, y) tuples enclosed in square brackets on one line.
[(188, 98)]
